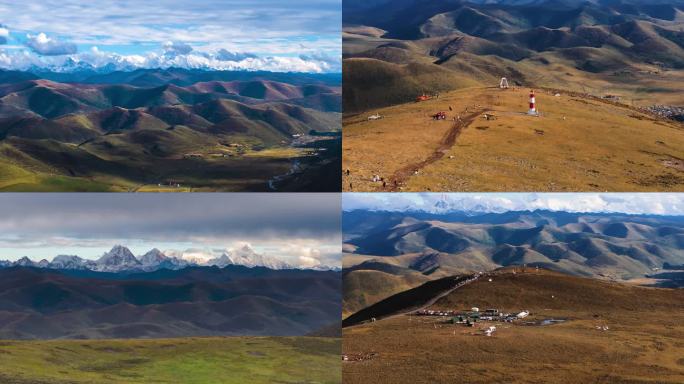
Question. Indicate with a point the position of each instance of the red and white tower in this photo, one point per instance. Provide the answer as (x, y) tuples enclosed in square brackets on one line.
[(533, 104)]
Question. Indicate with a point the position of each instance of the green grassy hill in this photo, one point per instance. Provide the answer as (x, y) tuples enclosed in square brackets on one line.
[(237, 360), (227, 136)]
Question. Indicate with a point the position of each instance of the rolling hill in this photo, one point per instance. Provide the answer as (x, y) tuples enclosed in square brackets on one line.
[(168, 130), (633, 48), (489, 143), (390, 252), (604, 331), (233, 360), (195, 301), (607, 76)]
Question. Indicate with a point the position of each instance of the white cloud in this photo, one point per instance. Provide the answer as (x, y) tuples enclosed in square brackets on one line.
[(631, 203), (4, 34), (265, 27), (308, 262), (225, 55), (171, 57), (44, 45), (176, 48)]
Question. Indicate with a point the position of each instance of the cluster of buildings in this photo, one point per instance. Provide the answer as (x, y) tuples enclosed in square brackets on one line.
[(469, 318)]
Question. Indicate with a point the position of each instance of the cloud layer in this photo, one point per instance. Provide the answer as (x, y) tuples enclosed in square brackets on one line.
[(223, 60), (293, 227), (631, 203), (46, 46), (199, 34)]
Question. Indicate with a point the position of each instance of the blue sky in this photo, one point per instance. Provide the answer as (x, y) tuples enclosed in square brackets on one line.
[(632, 203), (293, 35), (301, 229)]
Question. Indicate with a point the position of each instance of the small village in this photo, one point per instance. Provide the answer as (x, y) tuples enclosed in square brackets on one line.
[(470, 318), (466, 318)]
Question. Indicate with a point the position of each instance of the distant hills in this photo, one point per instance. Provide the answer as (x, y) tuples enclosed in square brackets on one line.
[(395, 50), (87, 130), (195, 301), (389, 252), (121, 260), (175, 76)]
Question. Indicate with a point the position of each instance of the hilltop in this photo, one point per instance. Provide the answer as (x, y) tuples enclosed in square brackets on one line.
[(610, 332), (618, 67), (579, 143)]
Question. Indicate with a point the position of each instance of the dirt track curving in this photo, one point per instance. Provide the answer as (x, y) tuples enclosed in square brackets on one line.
[(578, 144), (409, 301), (448, 141)]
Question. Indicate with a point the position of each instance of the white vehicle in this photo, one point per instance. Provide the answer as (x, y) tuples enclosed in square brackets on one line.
[(374, 117), (522, 314)]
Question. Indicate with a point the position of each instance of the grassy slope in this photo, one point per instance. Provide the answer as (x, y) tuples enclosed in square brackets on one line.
[(188, 360), (20, 173), (366, 287), (596, 147), (248, 171), (376, 76), (643, 343), (372, 83), (153, 153)]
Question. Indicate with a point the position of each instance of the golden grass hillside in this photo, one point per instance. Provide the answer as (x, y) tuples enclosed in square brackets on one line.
[(579, 143), (641, 342)]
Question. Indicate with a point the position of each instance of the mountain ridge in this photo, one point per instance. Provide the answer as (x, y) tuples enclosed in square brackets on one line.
[(387, 252), (197, 301), (172, 129), (121, 260), (394, 52)]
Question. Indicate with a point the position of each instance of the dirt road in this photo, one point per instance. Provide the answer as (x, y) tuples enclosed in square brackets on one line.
[(410, 301), (449, 140)]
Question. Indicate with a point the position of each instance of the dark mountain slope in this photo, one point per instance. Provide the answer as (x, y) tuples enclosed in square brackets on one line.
[(191, 302)]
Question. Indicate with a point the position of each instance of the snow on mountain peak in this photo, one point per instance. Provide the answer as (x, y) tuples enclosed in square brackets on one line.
[(117, 259), (24, 262), (247, 256), (67, 262), (154, 256), (121, 259)]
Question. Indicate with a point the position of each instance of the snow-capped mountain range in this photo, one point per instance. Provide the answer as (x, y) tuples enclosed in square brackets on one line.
[(120, 259)]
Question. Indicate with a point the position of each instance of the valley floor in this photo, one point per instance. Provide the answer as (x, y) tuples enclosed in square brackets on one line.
[(578, 144), (38, 167), (184, 360)]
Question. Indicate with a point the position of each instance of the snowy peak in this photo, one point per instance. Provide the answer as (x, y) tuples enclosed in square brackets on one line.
[(245, 255), (24, 262), (43, 264), (68, 262), (119, 258), (221, 261), (153, 257)]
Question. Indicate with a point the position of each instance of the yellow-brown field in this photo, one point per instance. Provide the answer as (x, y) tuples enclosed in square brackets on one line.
[(578, 144), (643, 341)]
